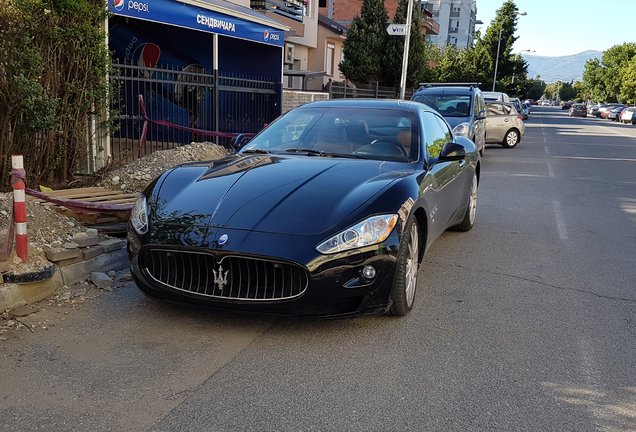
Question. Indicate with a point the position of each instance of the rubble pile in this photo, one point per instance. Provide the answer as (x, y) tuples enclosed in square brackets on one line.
[(135, 176)]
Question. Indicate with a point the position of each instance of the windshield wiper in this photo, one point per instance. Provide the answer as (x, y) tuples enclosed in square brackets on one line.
[(309, 151), (261, 151), (322, 153)]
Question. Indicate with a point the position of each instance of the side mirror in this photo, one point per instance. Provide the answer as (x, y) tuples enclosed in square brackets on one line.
[(481, 115), (452, 152), (237, 141)]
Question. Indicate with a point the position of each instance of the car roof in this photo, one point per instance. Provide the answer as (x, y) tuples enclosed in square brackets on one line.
[(447, 90), (394, 104)]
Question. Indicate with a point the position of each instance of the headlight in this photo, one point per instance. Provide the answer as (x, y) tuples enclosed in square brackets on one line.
[(138, 215), (462, 129), (370, 231)]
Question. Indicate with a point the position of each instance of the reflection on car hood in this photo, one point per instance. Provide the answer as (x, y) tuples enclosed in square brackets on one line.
[(300, 195), (454, 121)]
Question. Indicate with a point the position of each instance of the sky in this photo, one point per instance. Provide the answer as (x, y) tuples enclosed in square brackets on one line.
[(564, 27)]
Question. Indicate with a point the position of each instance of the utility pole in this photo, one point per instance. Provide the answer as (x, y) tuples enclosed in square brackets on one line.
[(407, 40)]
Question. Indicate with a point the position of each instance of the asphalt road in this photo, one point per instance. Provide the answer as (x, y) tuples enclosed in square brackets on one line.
[(525, 323)]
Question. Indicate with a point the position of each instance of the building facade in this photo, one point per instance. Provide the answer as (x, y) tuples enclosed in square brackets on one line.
[(456, 18)]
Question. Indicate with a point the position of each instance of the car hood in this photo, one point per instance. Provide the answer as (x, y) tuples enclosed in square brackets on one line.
[(298, 195), (454, 121)]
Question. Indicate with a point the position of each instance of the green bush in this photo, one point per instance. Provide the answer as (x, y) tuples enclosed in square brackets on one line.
[(53, 78)]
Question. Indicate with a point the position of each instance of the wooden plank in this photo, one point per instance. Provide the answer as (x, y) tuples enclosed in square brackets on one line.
[(80, 191)]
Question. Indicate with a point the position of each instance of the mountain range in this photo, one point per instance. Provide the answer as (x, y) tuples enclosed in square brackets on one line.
[(564, 68)]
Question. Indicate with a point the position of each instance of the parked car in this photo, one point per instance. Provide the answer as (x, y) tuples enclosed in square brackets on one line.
[(462, 106), (503, 124), (628, 115), (328, 211), (593, 109), (604, 110), (615, 113), (520, 106), (579, 110), (566, 105), (528, 106), (496, 96)]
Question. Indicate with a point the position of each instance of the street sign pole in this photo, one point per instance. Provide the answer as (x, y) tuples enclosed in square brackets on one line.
[(405, 57)]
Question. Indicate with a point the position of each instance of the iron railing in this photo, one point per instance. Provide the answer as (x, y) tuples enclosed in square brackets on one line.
[(189, 97), (344, 89)]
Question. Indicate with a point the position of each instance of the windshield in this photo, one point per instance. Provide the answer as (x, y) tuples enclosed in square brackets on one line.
[(447, 105), (380, 134)]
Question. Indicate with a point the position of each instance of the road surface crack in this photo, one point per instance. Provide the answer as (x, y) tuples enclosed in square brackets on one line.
[(538, 282)]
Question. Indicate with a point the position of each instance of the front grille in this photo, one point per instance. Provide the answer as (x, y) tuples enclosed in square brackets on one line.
[(227, 277)]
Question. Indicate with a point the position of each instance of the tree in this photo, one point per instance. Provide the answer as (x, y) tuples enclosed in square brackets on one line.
[(392, 60), (611, 79), (365, 43), (486, 49), (455, 65), (537, 88), (628, 86), (53, 68)]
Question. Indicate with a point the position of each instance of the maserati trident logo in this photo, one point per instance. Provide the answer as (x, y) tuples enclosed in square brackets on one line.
[(220, 278)]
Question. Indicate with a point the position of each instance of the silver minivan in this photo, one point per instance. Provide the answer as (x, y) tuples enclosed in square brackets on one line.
[(504, 125)]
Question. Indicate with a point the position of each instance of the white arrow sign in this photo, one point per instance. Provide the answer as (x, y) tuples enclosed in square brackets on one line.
[(396, 29)]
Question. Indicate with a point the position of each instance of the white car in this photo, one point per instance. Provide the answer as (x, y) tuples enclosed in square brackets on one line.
[(628, 115)]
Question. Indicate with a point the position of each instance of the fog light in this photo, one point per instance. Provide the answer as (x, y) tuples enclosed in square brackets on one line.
[(368, 272)]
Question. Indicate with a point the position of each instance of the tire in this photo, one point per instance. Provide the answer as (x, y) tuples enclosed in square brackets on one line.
[(481, 151), (471, 210), (511, 139), (405, 281)]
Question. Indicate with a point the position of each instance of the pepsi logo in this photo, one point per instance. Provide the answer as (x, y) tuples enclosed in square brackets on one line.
[(119, 5), (149, 55), (266, 35)]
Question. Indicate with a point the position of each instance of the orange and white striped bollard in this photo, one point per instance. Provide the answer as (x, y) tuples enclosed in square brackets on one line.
[(19, 211)]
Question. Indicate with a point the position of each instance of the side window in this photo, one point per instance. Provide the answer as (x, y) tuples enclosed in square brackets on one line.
[(506, 109), (436, 133), (494, 109), (479, 104)]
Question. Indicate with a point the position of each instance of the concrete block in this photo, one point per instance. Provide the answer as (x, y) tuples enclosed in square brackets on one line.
[(80, 271), (86, 241), (69, 261), (101, 280), (112, 244), (4, 266), (14, 295), (56, 255), (92, 252)]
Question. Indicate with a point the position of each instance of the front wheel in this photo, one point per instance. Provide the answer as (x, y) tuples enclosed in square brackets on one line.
[(406, 271), (511, 139), (471, 210)]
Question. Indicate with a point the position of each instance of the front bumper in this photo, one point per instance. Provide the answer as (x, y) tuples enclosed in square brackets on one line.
[(292, 280)]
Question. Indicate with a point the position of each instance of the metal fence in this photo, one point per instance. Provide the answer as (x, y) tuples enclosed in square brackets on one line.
[(345, 89), (192, 98)]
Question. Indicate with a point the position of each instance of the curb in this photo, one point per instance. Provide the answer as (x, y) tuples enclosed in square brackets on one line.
[(19, 293)]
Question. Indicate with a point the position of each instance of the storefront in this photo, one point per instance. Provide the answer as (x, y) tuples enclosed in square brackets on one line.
[(202, 43)]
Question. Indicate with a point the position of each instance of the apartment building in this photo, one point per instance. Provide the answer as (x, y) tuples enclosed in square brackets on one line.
[(456, 18), (343, 12)]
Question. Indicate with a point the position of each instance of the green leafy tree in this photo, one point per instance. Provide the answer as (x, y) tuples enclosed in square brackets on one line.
[(537, 89), (610, 79), (628, 86), (456, 65), (53, 68), (392, 60), (365, 44), (566, 92), (486, 49)]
